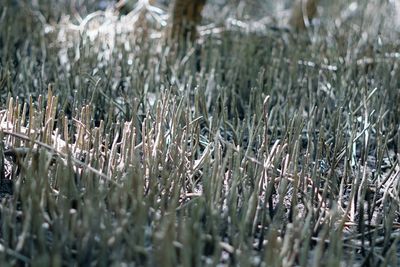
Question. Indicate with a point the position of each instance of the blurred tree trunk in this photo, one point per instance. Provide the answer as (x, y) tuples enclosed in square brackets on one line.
[(303, 11), (186, 15)]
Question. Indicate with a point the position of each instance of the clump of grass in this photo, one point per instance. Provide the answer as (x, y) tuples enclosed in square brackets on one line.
[(273, 152)]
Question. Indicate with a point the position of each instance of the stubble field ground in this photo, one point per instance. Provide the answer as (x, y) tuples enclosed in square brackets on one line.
[(256, 146)]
